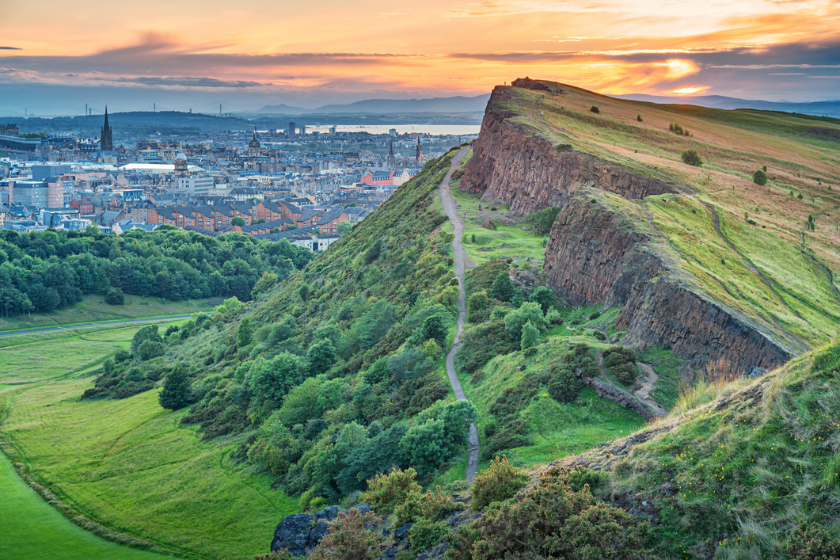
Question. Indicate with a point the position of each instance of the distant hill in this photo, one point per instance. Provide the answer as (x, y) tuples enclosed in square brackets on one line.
[(457, 104), (820, 108)]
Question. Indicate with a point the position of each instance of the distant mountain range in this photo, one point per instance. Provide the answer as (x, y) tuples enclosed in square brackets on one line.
[(820, 108), (457, 104)]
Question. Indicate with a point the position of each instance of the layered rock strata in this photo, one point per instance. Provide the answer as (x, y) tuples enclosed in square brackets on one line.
[(596, 255)]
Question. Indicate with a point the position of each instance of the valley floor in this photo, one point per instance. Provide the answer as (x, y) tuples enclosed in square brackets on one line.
[(126, 464)]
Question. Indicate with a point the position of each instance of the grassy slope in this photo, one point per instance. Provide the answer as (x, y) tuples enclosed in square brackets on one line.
[(33, 530), (93, 308), (129, 464), (737, 466), (801, 154)]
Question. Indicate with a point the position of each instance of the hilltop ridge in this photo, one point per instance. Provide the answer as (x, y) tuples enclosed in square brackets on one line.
[(662, 240)]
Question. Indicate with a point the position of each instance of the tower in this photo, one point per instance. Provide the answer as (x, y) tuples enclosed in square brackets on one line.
[(181, 165), (254, 145), (106, 140), (418, 153), (391, 159)]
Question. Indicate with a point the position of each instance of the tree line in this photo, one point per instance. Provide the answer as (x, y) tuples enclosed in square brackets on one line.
[(43, 271)]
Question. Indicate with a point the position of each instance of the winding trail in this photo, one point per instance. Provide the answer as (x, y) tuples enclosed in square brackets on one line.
[(460, 258)]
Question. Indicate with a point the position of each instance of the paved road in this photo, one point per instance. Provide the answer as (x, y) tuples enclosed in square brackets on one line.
[(451, 210), (97, 324)]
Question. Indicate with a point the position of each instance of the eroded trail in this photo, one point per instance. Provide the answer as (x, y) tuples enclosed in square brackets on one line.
[(460, 258), (647, 386)]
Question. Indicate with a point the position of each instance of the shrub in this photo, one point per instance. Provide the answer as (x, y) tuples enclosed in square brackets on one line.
[(387, 491), (426, 534), (554, 317), (760, 177), (429, 506), (244, 333), (150, 349), (639, 118), (595, 109), (350, 539), (115, 296), (544, 219), (813, 542), (281, 554), (497, 483), (552, 520), (516, 320), (691, 157), (564, 386), (478, 307), (530, 336)]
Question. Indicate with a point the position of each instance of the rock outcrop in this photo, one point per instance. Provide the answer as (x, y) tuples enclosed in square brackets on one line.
[(604, 256), (301, 532), (599, 255), (513, 164)]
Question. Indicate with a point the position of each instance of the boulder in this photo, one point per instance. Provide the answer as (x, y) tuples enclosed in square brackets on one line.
[(292, 533)]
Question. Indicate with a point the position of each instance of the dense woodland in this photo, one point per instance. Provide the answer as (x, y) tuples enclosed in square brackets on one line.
[(43, 271)]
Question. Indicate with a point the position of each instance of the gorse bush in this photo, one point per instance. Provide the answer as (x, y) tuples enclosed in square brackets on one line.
[(552, 520), (497, 483), (691, 157), (350, 539), (387, 491), (760, 177)]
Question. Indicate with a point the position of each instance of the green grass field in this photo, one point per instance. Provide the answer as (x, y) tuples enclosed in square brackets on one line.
[(93, 308), (126, 464), (33, 529)]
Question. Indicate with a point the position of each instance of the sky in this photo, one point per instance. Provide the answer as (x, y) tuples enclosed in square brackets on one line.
[(56, 54)]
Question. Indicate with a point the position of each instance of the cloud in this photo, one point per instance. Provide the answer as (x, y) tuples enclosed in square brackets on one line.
[(184, 82), (10, 49)]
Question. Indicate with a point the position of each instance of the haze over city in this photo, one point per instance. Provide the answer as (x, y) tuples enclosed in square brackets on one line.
[(200, 54)]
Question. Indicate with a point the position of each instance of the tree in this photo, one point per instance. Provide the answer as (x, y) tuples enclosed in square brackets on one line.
[(238, 221), (244, 333), (264, 284), (115, 297), (691, 157), (282, 331), (373, 251), (528, 312), (321, 357), (272, 379), (542, 295), (150, 349), (502, 288), (595, 109), (149, 332), (344, 227), (176, 390), (303, 292), (378, 371), (530, 336), (760, 177), (434, 328)]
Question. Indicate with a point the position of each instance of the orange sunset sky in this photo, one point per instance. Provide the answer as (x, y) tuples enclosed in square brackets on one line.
[(316, 51)]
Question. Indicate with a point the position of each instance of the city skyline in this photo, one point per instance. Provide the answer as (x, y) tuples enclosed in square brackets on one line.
[(327, 52)]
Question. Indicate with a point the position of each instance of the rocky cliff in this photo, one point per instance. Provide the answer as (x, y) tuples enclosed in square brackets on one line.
[(514, 164), (601, 255)]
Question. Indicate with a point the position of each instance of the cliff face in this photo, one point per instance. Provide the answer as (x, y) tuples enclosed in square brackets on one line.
[(529, 173), (595, 255)]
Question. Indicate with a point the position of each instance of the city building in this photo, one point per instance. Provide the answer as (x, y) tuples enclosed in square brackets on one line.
[(106, 140)]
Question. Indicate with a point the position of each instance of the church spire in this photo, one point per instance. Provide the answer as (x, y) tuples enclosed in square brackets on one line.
[(106, 140), (418, 153)]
